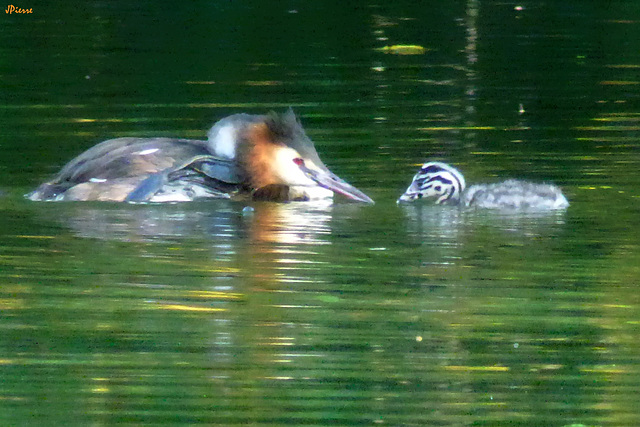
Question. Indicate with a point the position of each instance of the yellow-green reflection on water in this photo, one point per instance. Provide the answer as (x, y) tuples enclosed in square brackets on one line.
[(337, 314)]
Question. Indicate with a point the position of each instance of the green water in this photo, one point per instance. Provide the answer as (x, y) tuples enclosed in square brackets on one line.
[(343, 314)]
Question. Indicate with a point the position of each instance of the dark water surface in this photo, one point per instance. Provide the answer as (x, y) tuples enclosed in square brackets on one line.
[(326, 314)]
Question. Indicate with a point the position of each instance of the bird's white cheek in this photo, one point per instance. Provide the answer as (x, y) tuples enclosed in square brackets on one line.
[(287, 171)]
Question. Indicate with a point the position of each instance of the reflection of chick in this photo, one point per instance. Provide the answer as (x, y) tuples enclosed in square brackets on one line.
[(446, 185)]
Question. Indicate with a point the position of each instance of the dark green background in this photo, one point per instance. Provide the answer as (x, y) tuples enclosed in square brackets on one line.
[(345, 314)]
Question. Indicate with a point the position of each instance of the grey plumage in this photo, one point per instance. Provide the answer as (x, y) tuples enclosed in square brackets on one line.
[(245, 156), (446, 185)]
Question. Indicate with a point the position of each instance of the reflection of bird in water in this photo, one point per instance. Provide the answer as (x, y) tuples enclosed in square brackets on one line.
[(445, 184), (268, 157)]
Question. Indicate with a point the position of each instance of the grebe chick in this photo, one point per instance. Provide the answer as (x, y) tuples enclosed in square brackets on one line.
[(265, 157), (446, 185)]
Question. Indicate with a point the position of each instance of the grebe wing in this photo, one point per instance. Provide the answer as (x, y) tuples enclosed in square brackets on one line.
[(114, 162), (129, 157), (213, 175)]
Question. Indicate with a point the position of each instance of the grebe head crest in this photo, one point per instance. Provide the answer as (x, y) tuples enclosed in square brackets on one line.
[(273, 149), (435, 180)]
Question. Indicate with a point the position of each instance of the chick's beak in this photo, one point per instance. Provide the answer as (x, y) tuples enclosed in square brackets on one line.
[(331, 182)]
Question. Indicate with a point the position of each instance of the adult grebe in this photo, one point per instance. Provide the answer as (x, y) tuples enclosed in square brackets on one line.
[(446, 185), (266, 157)]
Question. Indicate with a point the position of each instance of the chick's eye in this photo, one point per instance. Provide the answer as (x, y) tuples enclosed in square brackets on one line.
[(298, 161)]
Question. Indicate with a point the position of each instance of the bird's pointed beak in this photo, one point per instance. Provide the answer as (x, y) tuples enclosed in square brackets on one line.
[(332, 182)]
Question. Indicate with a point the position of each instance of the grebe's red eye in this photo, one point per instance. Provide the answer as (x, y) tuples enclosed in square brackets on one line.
[(298, 161)]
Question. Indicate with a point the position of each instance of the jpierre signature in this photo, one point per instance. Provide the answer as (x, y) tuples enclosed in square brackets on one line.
[(12, 9)]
